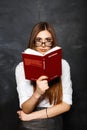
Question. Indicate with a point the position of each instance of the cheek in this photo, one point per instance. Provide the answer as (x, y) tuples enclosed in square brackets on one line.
[(49, 48), (37, 49)]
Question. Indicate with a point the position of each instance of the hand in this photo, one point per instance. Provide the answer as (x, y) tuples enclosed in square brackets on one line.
[(42, 85), (23, 116)]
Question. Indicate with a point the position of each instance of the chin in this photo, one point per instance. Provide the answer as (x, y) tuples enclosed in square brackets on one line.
[(43, 53)]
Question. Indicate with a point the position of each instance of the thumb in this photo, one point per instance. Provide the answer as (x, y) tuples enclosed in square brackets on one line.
[(18, 112)]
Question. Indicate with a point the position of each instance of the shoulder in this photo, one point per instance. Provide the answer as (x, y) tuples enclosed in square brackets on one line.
[(65, 68), (19, 68), (65, 64)]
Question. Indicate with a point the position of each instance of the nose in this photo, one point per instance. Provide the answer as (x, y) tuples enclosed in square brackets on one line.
[(43, 44)]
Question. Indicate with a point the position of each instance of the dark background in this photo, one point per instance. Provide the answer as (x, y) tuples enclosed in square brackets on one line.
[(69, 19)]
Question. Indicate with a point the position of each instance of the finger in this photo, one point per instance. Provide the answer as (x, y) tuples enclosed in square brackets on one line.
[(42, 78), (18, 112)]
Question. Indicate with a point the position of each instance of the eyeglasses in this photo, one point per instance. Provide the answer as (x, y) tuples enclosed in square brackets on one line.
[(47, 42)]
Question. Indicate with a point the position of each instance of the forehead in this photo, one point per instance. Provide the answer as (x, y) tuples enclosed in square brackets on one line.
[(44, 34)]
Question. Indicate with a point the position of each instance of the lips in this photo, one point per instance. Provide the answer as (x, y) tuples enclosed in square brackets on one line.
[(43, 50)]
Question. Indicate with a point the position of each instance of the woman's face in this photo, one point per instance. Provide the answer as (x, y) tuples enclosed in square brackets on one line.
[(43, 42)]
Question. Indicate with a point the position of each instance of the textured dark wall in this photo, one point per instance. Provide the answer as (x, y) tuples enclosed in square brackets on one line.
[(17, 18)]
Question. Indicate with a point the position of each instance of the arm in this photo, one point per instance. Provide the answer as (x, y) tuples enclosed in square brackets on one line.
[(41, 87), (27, 99), (51, 112)]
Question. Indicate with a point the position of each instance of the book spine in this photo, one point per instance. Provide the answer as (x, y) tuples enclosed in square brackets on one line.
[(44, 66)]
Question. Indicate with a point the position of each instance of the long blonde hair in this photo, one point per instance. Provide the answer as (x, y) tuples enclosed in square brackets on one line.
[(54, 93)]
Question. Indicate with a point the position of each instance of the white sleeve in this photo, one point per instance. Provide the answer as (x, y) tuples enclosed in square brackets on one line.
[(24, 87), (66, 82)]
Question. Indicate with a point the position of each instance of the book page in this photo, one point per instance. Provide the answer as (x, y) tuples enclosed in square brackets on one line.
[(53, 49), (34, 52)]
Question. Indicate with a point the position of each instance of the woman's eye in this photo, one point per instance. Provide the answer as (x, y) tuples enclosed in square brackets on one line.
[(49, 39), (38, 40)]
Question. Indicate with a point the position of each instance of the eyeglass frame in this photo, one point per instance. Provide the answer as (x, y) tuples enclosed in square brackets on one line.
[(41, 42)]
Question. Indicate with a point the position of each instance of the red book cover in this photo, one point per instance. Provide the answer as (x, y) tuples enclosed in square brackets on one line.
[(36, 64)]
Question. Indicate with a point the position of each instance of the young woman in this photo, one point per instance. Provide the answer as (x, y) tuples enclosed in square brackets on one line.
[(42, 103)]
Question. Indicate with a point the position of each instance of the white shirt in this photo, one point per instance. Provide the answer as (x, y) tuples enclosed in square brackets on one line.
[(25, 89)]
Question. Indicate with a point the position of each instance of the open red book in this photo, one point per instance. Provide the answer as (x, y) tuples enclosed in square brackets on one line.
[(36, 64)]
